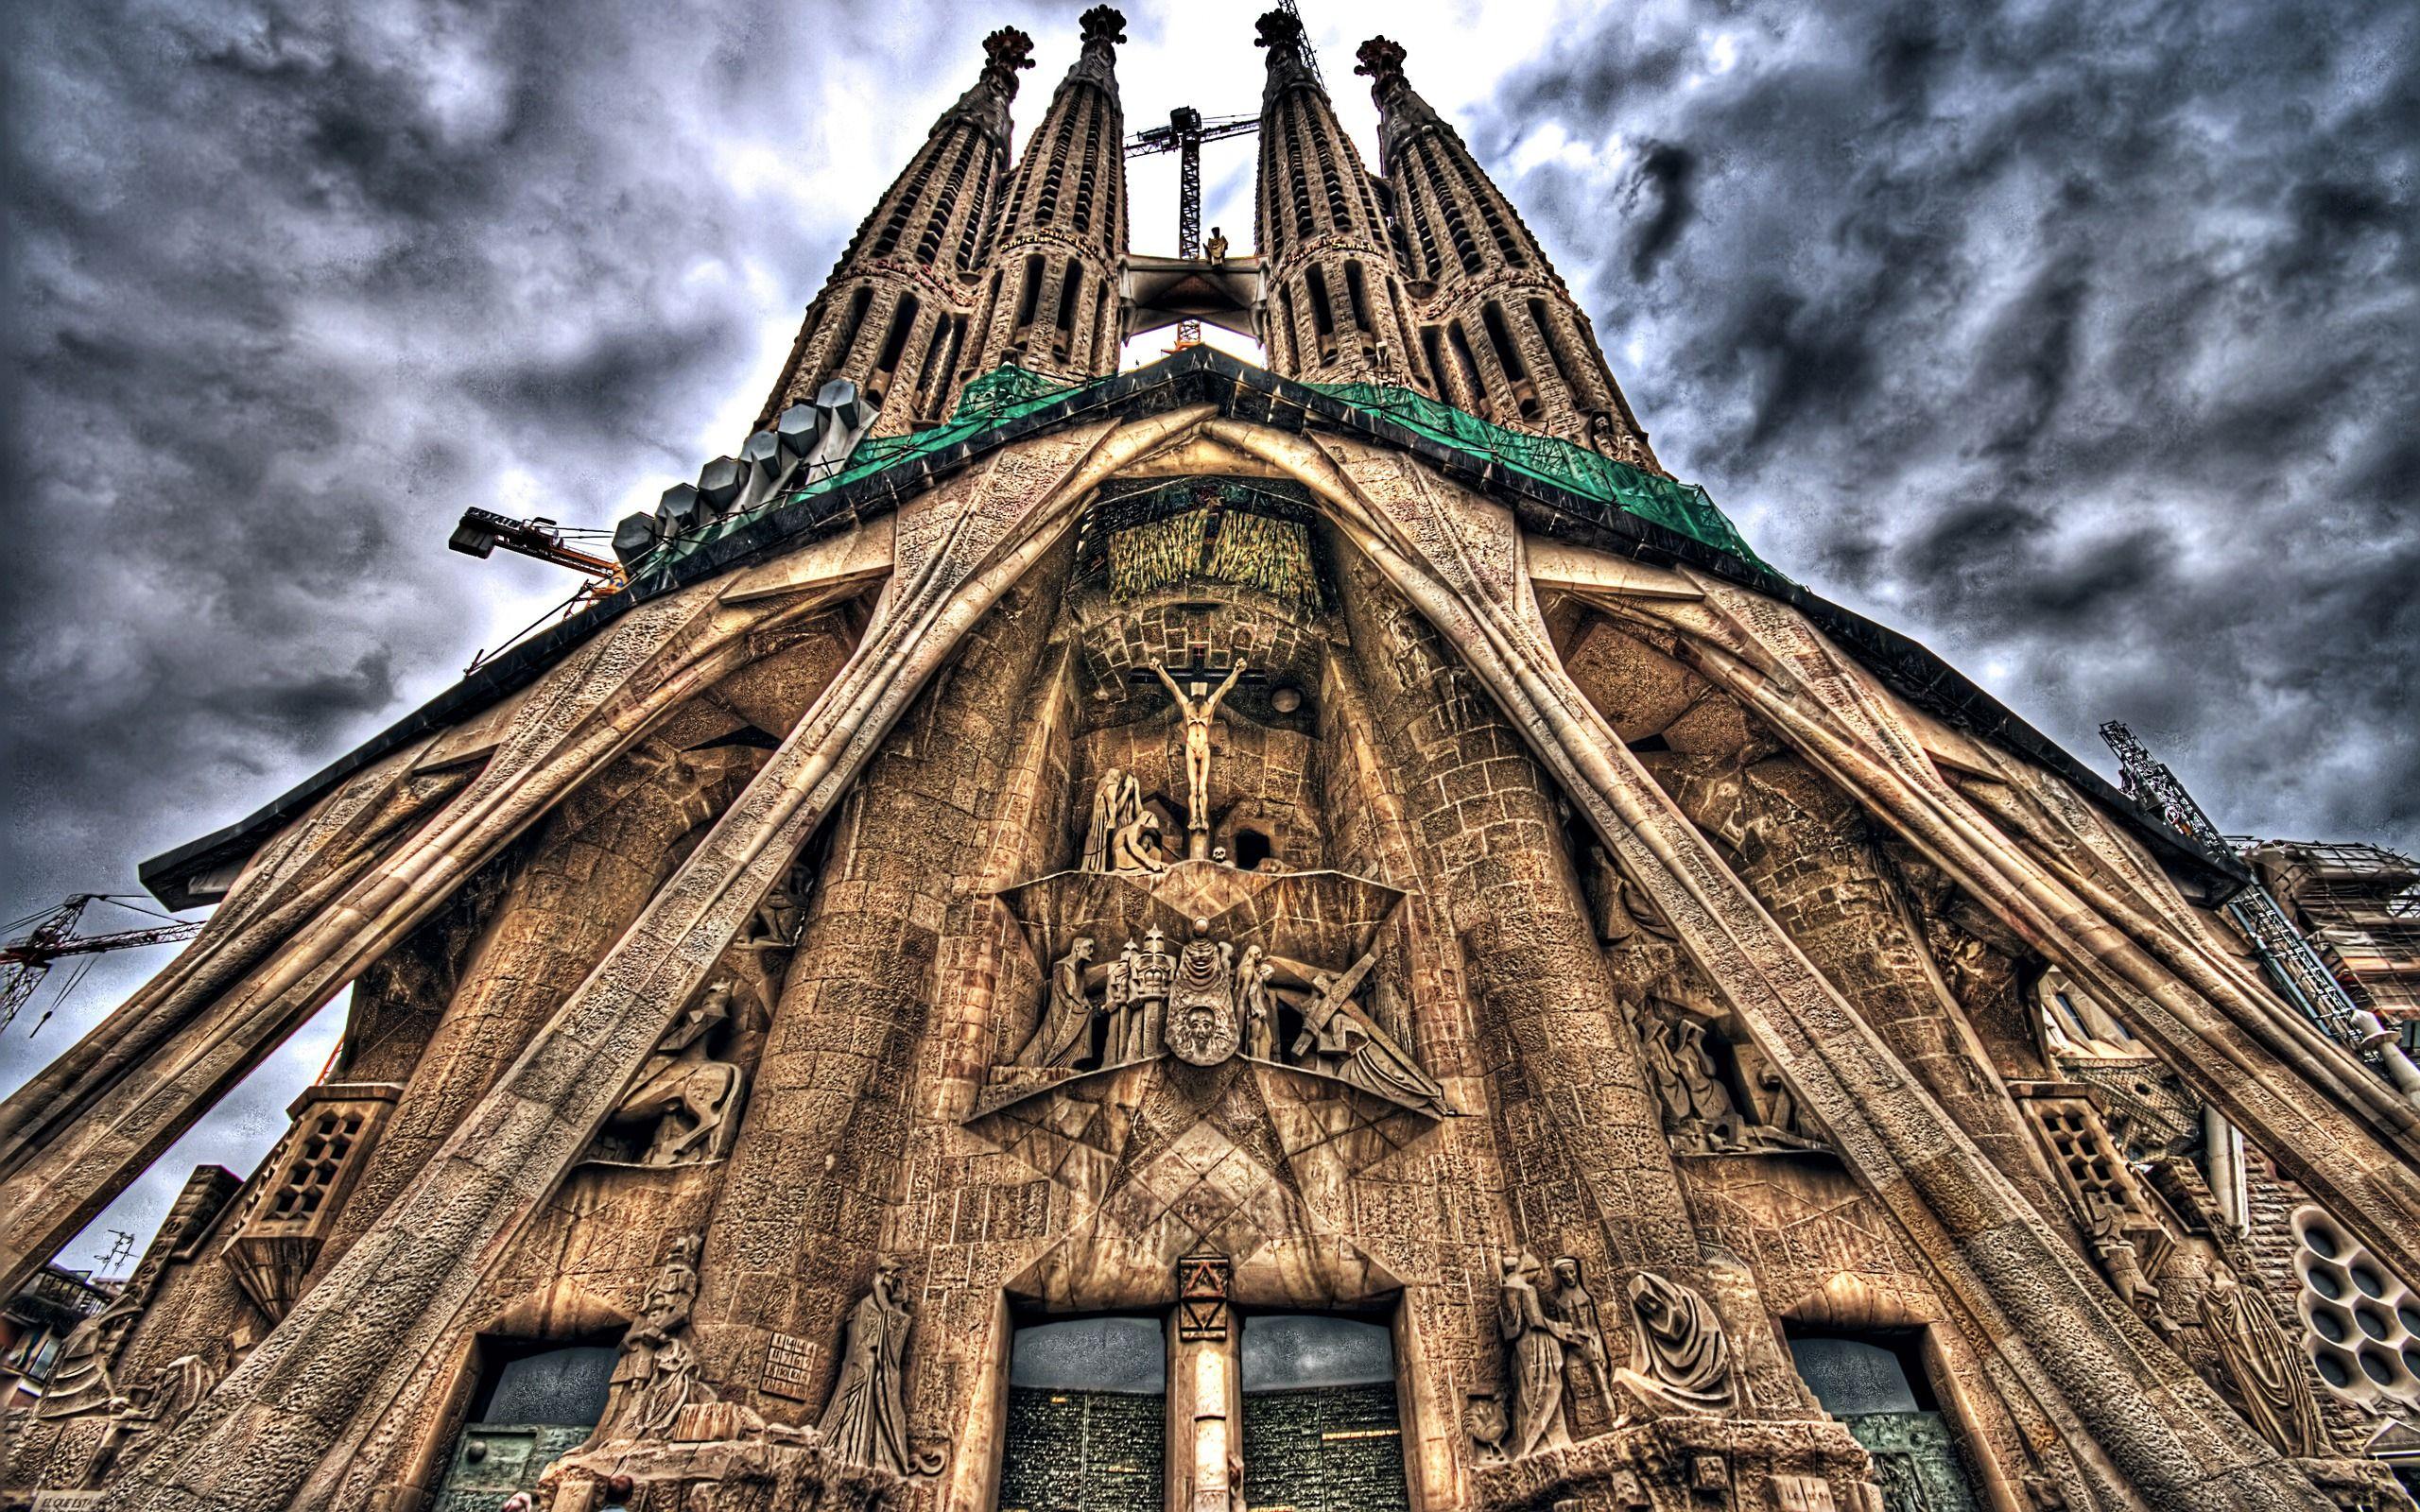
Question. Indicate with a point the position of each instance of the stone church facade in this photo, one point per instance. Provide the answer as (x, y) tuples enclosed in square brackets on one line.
[(1315, 937)]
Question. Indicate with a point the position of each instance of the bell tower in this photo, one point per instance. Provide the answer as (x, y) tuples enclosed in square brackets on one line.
[(892, 317), (1336, 308), (1051, 302), (1508, 341)]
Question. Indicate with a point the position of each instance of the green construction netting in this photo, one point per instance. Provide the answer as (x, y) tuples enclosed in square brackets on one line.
[(994, 399), (1675, 505), (1009, 391)]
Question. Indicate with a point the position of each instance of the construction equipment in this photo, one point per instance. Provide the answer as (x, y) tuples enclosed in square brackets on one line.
[(2292, 964), (1183, 135), (481, 531), (26, 960)]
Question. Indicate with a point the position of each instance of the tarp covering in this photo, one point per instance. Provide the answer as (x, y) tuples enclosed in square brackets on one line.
[(1682, 506)]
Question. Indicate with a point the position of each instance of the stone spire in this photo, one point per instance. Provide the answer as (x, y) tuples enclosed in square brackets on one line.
[(1506, 338), (892, 317), (1050, 301), (1336, 307)]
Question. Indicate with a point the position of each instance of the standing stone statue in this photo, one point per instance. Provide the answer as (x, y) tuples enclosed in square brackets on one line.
[(1534, 1346), (866, 1421), (1198, 712), (1065, 1030), (1253, 1006), (1117, 1010), (2271, 1384), (1117, 802), (1201, 1027), (1681, 1362), (657, 1374), (1570, 1305)]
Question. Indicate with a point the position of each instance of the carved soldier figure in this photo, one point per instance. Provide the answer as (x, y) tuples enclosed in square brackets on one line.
[(782, 915), (1252, 1006), (657, 1374), (1198, 712), (1065, 1030), (1117, 1010), (682, 1089), (1533, 1350), (1570, 1305), (1681, 1363), (866, 1420)]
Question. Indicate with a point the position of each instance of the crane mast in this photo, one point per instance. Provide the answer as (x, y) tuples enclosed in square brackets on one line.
[(1183, 135)]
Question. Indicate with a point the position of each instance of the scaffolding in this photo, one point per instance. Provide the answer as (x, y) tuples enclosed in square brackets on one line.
[(2358, 905)]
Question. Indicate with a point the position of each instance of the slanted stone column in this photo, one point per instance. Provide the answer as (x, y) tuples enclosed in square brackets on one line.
[(598, 861), (795, 1232), (1799, 845), (1587, 1166)]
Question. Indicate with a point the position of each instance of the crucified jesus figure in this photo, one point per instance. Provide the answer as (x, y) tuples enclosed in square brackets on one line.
[(1198, 712)]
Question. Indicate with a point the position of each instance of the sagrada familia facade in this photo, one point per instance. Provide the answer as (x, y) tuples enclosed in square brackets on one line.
[(1322, 936)]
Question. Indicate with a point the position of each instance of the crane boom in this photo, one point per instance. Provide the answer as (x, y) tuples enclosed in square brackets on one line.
[(26, 960), (1183, 135)]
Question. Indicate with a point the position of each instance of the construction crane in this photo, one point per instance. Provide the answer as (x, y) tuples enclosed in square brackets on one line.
[(481, 531), (26, 960), (2289, 959), (1183, 135)]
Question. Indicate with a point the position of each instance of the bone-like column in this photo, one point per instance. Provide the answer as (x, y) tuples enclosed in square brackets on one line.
[(792, 1241), (189, 1042), (1492, 849), (593, 871), (285, 1426), (2223, 1041), (2094, 1368)]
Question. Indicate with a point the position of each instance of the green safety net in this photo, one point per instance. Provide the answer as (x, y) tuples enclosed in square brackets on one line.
[(1009, 391), (1681, 507)]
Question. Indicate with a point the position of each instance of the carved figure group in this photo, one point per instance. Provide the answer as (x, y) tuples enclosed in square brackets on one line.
[(1123, 834), (684, 1097), (1202, 1003), (1679, 1360), (1700, 1112), (657, 1373)]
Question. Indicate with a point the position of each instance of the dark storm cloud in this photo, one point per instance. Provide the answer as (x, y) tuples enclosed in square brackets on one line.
[(290, 285), (2081, 340)]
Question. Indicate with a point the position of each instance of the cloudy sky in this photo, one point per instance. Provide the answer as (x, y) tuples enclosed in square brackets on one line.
[(2075, 337)]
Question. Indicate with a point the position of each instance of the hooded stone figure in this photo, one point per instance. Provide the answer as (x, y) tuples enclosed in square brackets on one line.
[(1064, 1033), (1533, 1345), (2270, 1380), (866, 1420), (1681, 1362)]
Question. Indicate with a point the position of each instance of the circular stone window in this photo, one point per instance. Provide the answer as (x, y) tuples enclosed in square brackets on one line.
[(2362, 1323)]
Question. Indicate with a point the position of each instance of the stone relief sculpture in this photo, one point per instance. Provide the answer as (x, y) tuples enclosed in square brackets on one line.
[(780, 919), (1339, 1039), (1570, 1305), (1065, 1030), (153, 1408), (1122, 834), (1534, 1345), (657, 1373), (1680, 1361), (1198, 711), (1700, 1114), (866, 1420), (1253, 1006), (81, 1380), (1201, 1022), (684, 1098), (2270, 1382)]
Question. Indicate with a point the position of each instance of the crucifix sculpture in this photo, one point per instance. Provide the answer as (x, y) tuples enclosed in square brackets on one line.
[(1197, 711)]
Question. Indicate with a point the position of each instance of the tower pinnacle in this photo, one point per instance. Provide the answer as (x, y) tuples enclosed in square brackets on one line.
[(1508, 341), (1050, 302), (892, 317), (1336, 310)]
